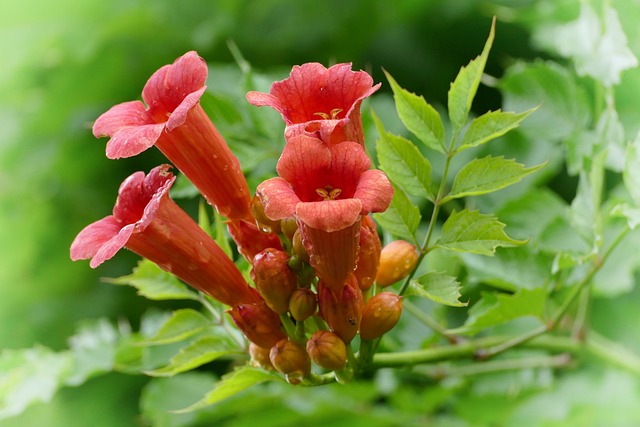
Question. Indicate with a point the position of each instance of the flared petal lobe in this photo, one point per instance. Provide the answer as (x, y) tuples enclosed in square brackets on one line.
[(321, 101)]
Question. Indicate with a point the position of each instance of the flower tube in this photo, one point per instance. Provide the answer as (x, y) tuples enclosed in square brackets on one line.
[(327, 189), (319, 101), (173, 120), (146, 221)]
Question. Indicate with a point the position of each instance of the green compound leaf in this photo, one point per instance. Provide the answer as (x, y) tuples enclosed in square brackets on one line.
[(404, 164), (418, 116), (464, 87), (491, 125), (438, 287), (496, 309), (154, 283), (402, 217), (182, 324), (485, 175), (199, 352), (232, 384), (471, 231)]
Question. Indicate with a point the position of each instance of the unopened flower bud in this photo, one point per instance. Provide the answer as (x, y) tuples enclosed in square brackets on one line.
[(397, 260), (264, 223), (258, 323), (274, 279), (303, 304), (369, 254), (290, 359), (381, 313), (259, 356), (341, 312), (288, 226), (298, 247), (327, 350)]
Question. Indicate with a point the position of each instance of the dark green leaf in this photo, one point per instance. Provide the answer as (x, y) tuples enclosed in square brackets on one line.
[(491, 125), (418, 116), (471, 231), (464, 87), (154, 283), (402, 218), (488, 174), (438, 287), (404, 164)]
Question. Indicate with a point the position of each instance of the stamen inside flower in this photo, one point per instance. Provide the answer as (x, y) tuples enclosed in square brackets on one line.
[(328, 192), (333, 114)]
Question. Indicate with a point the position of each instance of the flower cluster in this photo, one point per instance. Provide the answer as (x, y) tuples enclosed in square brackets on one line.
[(313, 248)]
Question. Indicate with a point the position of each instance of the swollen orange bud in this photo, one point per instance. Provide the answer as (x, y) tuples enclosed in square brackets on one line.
[(259, 356), (303, 304), (266, 225), (258, 323), (274, 279), (291, 360), (327, 350), (397, 260), (369, 255), (381, 313), (342, 312)]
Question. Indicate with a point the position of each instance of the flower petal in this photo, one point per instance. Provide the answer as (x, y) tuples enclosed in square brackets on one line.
[(278, 198), (89, 241), (329, 215), (304, 162), (132, 140), (349, 161), (261, 99), (120, 116), (375, 191), (167, 88), (179, 115), (112, 246)]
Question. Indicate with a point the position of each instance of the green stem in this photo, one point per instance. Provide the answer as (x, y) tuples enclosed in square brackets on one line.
[(428, 321), (613, 352)]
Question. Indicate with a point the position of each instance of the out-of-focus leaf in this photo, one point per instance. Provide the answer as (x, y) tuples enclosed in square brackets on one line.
[(464, 87), (93, 349), (154, 283), (564, 107), (631, 172), (404, 164), (438, 287), (401, 218), (597, 46), (30, 375), (498, 308), (471, 231), (181, 324), (232, 384), (491, 125), (201, 351), (418, 116), (488, 174)]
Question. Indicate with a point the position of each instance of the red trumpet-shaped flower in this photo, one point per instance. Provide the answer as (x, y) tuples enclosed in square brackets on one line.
[(327, 189), (320, 101), (174, 121), (146, 221)]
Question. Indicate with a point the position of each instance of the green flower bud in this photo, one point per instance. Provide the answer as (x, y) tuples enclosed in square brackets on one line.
[(303, 304), (327, 350), (291, 360)]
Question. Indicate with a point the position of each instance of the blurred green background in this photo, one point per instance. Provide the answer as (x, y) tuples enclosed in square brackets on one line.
[(66, 62)]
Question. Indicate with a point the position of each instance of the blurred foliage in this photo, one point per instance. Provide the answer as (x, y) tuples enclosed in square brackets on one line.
[(66, 62)]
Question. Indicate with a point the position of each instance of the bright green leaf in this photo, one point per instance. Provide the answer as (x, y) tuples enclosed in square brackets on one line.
[(418, 116), (232, 384), (154, 283), (438, 287), (93, 348), (488, 174), (496, 309), (404, 164), (471, 231), (182, 324), (199, 352), (491, 125), (631, 173), (30, 375), (402, 217), (464, 87), (221, 237)]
